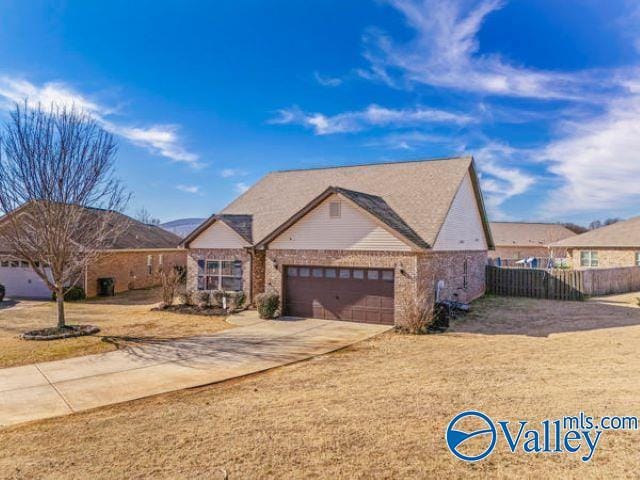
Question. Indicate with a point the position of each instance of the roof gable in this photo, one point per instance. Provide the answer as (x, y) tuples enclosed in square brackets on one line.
[(370, 205), (419, 192)]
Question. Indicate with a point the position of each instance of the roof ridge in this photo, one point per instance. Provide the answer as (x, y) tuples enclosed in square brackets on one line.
[(374, 164)]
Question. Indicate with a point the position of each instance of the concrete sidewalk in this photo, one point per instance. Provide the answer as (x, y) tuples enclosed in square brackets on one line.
[(151, 367)]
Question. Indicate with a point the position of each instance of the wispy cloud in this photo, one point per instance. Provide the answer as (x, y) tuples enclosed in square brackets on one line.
[(410, 140), (188, 188), (163, 139), (241, 187), (327, 81), (232, 172), (444, 52), (371, 117), (597, 159), (499, 178)]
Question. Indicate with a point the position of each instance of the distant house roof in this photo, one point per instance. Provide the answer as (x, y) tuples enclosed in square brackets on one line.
[(140, 236), (416, 195), (135, 235), (523, 234), (619, 234)]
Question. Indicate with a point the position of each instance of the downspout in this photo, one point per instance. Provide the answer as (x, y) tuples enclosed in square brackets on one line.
[(251, 251)]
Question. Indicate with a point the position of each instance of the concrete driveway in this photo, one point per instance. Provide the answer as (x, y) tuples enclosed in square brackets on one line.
[(151, 367)]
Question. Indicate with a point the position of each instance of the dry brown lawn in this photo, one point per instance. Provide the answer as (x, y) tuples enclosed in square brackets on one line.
[(122, 319), (376, 410)]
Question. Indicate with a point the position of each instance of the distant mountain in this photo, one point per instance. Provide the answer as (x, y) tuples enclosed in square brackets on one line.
[(183, 226)]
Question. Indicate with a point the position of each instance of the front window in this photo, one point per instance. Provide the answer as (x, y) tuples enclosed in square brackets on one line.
[(588, 258), (637, 259), (220, 275), (149, 264)]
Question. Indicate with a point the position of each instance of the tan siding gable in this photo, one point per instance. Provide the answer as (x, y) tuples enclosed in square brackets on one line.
[(462, 229), (218, 235), (354, 230)]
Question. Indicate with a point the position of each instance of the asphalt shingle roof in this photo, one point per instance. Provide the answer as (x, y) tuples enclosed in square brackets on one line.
[(620, 234), (523, 234), (416, 195)]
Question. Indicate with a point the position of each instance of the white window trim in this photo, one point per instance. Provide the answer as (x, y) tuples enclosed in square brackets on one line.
[(591, 255), (220, 275)]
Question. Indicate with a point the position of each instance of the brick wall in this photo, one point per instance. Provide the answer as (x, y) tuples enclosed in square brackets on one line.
[(518, 253), (405, 283), (449, 267), (607, 258), (130, 270), (231, 254)]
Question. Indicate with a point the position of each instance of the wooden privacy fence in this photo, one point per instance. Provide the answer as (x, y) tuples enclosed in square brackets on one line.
[(562, 284), (535, 283)]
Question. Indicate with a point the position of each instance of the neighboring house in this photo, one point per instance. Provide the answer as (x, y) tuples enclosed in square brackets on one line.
[(519, 240), (134, 260), (350, 243), (616, 245)]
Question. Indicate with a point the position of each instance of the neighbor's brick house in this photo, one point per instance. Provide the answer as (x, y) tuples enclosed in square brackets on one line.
[(616, 245), (350, 243), (134, 259), (520, 240)]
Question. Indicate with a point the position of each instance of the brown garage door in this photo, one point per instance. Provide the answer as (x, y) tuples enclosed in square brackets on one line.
[(351, 294)]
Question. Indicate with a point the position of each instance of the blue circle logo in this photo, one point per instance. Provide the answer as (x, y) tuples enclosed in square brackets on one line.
[(456, 437)]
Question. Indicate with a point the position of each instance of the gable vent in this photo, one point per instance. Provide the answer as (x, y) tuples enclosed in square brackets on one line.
[(334, 209)]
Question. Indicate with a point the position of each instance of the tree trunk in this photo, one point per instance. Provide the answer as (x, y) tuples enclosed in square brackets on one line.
[(60, 305)]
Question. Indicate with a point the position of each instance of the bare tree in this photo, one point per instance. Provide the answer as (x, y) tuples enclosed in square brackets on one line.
[(59, 194), (145, 217)]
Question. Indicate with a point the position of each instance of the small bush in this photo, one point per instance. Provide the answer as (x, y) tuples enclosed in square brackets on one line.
[(268, 304), (200, 299), (216, 298), (170, 283), (182, 298), (417, 315), (235, 300), (74, 294)]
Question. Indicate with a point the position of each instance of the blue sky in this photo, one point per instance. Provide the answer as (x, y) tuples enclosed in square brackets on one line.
[(206, 97)]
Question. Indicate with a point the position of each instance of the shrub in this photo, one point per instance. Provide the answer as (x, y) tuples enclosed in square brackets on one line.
[(1, 292), (417, 315), (216, 298), (235, 300), (182, 298), (268, 304), (200, 299), (170, 283), (74, 294)]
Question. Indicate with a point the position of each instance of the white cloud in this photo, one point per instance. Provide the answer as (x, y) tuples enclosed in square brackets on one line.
[(444, 53), (597, 159), (188, 188), (232, 172), (326, 81), (500, 180), (241, 187), (161, 139), (372, 116)]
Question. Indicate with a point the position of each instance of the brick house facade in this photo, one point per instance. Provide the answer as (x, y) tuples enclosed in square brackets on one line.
[(606, 257), (133, 269), (411, 230)]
